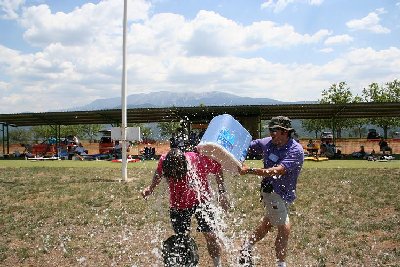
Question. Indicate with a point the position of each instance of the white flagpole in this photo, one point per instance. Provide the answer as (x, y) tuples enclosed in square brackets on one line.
[(123, 99)]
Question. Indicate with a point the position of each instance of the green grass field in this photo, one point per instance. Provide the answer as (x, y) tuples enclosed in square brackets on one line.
[(69, 213)]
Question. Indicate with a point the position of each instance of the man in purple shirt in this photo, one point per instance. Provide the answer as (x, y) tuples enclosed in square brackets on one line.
[(283, 159)]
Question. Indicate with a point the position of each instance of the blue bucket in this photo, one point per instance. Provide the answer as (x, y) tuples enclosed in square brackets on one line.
[(226, 141)]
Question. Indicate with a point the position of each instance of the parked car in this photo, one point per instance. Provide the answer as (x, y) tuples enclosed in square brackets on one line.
[(373, 134), (44, 149), (396, 135), (326, 136), (106, 144)]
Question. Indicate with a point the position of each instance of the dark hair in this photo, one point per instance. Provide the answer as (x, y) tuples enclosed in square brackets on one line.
[(174, 165)]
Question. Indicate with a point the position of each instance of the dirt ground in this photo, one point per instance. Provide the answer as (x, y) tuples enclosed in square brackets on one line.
[(93, 148), (347, 146)]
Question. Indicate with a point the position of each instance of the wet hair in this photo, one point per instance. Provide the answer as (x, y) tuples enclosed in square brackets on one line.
[(174, 165)]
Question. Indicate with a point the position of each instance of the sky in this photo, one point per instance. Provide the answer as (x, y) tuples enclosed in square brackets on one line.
[(61, 54)]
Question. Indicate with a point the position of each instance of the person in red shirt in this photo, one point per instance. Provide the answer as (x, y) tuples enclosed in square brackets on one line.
[(190, 194)]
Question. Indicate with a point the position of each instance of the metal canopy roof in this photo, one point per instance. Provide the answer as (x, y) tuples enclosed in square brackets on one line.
[(205, 113)]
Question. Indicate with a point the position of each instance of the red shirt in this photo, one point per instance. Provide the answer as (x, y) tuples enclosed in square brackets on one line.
[(194, 188)]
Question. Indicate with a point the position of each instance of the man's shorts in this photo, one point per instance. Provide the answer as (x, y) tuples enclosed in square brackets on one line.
[(277, 209), (181, 218)]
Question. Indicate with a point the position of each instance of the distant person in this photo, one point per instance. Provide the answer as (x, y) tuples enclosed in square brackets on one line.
[(372, 156), (117, 150), (283, 160), (27, 150), (77, 156), (360, 154), (312, 148), (384, 146), (327, 149), (189, 194), (193, 140), (310, 144), (80, 149), (173, 142), (17, 154), (71, 150)]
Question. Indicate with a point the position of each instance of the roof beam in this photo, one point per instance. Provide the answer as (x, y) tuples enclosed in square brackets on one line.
[(204, 113)]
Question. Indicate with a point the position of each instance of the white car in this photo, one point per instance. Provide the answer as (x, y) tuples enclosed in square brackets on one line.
[(326, 136)]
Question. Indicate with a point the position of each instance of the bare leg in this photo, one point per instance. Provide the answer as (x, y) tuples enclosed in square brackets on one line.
[(281, 241), (213, 246), (261, 231)]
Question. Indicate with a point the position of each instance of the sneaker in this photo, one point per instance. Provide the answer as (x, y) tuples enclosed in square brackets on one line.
[(245, 258)]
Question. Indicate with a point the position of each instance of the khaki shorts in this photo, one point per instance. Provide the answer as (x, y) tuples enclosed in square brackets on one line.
[(277, 209)]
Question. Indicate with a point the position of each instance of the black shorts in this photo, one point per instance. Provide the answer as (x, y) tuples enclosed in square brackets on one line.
[(181, 218)]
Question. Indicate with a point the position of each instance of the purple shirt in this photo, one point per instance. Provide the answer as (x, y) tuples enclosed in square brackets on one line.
[(290, 156)]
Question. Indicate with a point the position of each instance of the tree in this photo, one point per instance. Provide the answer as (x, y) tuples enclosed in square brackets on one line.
[(358, 127), (75, 130), (314, 125), (358, 124), (42, 132), (167, 128), (146, 132), (390, 92), (338, 94), (20, 135), (90, 130), (82, 130)]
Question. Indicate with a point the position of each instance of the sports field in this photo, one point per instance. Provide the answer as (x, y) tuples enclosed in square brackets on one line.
[(70, 213)]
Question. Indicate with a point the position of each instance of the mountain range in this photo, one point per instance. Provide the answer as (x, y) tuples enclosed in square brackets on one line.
[(169, 99)]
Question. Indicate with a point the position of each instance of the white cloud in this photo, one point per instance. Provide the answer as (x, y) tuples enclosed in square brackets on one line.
[(338, 39), (267, 34), (255, 77), (9, 8), (4, 86), (326, 50), (368, 23), (258, 77), (81, 26), (280, 5), (214, 35), (210, 34), (7, 55), (316, 2), (361, 67)]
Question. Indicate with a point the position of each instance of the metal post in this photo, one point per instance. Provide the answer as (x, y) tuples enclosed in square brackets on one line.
[(4, 141), (8, 141), (123, 99)]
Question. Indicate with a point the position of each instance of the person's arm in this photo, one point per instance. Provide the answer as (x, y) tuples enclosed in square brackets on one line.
[(273, 171), (222, 195), (149, 190)]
